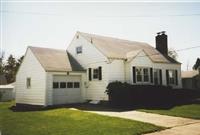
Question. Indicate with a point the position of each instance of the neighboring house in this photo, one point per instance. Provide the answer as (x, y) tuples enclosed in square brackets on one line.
[(3, 80), (190, 79), (91, 62), (8, 92)]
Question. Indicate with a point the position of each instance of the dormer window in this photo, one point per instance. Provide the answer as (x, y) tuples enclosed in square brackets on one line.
[(78, 49)]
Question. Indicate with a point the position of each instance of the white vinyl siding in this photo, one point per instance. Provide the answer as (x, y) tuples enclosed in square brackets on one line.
[(30, 69), (92, 58), (142, 61)]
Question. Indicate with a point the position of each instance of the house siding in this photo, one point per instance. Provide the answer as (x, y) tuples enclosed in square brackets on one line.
[(91, 57), (30, 67), (144, 61)]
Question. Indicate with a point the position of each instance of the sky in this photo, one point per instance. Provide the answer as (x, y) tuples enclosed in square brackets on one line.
[(53, 24)]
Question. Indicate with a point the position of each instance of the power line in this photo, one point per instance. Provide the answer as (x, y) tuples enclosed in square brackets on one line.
[(178, 50), (136, 16)]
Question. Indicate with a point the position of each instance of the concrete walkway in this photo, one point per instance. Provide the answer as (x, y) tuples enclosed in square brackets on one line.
[(176, 125)]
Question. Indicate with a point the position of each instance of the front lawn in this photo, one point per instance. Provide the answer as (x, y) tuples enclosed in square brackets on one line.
[(64, 121), (188, 111)]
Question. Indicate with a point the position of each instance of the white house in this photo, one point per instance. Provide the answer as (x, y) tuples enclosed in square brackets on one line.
[(49, 76)]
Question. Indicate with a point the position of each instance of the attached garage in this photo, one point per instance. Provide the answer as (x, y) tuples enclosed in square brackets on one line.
[(66, 89)]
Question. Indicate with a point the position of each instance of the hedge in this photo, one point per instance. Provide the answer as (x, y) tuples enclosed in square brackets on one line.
[(124, 94)]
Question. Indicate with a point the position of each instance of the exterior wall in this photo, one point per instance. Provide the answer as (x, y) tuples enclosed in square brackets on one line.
[(191, 83), (91, 57), (30, 67), (90, 54), (143, 61), (116, 71), (49, 85)]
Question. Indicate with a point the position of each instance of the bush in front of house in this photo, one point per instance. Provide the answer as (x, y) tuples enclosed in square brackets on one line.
[(124, 94), (1, 95)]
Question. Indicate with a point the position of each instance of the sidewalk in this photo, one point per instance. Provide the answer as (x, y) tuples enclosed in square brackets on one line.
[(177, 125)]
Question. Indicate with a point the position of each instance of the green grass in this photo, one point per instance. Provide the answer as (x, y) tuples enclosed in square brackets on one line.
[(67, 122), (187, 111)]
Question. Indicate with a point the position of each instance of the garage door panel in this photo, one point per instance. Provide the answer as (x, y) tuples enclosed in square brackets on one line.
[(66, 95)]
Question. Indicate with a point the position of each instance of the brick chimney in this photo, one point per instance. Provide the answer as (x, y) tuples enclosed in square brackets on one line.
[(161, 43)]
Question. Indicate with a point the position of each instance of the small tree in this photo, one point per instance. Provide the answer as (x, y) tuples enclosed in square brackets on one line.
[(10, 69), (197, 65)]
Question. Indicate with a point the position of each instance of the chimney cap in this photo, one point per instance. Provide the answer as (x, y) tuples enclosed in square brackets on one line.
[(161, 33)]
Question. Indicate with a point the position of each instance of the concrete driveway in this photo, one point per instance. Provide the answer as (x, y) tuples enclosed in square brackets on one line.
[(176, 125)]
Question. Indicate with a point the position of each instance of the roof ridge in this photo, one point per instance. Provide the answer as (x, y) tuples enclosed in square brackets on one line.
[(115, 38), (46, 48)]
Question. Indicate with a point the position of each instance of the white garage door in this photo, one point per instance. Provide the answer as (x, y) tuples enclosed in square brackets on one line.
[(66, 89)]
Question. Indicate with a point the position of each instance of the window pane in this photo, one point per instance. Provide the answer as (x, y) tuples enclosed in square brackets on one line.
[(76, 85), (79, 49), (95, 73), (146, 74), (69, 85), (171, 76), (55, 85), (139, 74), (156, 76), (28, 82), (62, 84)]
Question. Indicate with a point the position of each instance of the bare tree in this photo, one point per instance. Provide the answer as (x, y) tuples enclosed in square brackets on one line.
[(173, 54)]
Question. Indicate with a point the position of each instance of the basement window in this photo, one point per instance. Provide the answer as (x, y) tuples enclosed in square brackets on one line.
[(28, 82)]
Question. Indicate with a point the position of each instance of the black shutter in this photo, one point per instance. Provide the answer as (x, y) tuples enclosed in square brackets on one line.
[(134, 79), (100, 73), (160, 73), (167, 76), (90, 74), (176, 75), (151, 74)]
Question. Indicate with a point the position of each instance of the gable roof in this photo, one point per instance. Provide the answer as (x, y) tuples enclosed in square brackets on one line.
[(119, 48), (55, 60), (189, 74)]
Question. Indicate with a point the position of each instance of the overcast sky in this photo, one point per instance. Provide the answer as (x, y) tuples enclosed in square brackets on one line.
[(53, 25)]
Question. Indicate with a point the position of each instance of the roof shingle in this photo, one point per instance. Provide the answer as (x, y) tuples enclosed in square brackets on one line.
[(55, 60)]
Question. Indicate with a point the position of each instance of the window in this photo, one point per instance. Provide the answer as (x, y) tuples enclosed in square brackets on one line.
[(156, 75), (28, 82), (55, 85), (78, 49), (146, 74), (142, 74), (76, 85), (62, 84), (70, 85), (95, 73), (139, 74), (172, 77)]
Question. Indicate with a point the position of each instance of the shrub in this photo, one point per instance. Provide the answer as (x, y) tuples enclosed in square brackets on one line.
[(124, 94), (1, 95)]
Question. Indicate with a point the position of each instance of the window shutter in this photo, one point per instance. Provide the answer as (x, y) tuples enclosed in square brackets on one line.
[(90, 74), (176, 75), (151, 74), (134, 77), (167, 77), (100, 73), (160, 73)]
